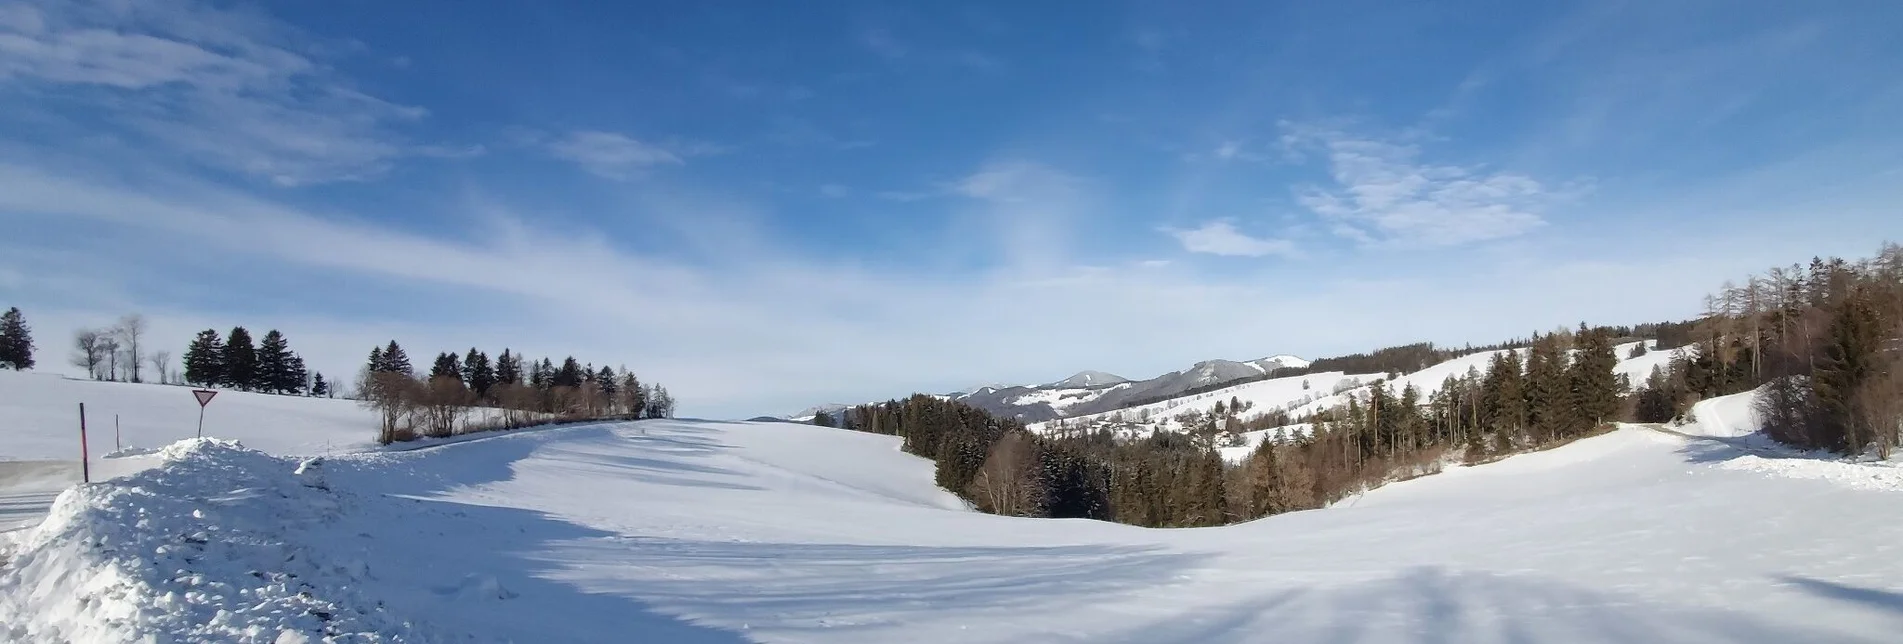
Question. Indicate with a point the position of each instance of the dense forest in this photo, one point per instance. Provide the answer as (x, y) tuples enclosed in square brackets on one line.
[(513, 390), (1826, 342)]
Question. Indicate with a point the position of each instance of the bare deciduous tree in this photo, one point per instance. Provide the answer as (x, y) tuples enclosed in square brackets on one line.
[(130, 330), (109, 348), (161, 361), (90, 344)]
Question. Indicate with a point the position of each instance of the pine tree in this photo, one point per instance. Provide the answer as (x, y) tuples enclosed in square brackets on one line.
[(542, 375), (823, 419), (606, 382), (396, 361), (273, 371), (569, 375), (446, 366), (296, 376), (16, 341), (1594, 388), (240, 360), (478, 373), (375, 364), (508, 368), (635, 394), (319, 388), (205, 359), (1850, 354)]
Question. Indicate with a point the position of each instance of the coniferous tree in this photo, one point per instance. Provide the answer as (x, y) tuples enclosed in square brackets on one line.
[(296, 377), (205, 359), (273, 371), (635, 394), (508, 368), (319, 388), (446, 366), (1594, 388), (16, 341), (478, 373), (240, 360), (570, 375), (396, 361), (605, 381)]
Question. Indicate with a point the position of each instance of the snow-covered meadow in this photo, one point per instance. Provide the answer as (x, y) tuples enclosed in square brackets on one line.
[(693, 531)]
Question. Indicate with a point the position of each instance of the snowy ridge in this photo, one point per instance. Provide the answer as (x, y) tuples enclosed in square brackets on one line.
[(1300, 396), (203, 548)]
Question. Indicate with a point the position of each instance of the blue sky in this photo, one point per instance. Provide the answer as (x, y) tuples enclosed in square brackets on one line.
[(767, 205)]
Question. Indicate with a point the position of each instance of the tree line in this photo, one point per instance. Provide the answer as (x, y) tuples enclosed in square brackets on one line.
[(1562, 389), (234, 362), (1824, 341), (520, 391)]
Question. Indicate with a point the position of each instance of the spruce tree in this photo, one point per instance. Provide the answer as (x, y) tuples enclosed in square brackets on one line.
[(319, 388), (375, 364), (1850, 355), (569, 375), (636, 395), (446, 366), (508, 368), (241, 360), (273, 370), (396, 361), (205, 359), (296, 377), (478, 373), (16, 341), (1594, 388), (605, 381)]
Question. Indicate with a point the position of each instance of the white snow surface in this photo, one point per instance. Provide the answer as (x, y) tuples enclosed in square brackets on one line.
[(39, 418), (689, 531)]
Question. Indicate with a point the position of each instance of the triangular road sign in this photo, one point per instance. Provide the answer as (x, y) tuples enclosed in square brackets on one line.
[(203, 396)]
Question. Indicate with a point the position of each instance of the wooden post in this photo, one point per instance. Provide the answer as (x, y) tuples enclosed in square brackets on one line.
[(115, 432), (85, 463)]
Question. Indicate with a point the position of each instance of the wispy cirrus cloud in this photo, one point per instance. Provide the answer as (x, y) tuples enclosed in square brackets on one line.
[(1381, 192), (1220, 237), (228, 89), (617, 156)]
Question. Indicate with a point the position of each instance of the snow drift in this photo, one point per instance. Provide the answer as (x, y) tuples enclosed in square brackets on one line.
[(209, 546)]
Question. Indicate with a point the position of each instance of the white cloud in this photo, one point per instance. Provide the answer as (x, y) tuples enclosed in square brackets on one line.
[(228, 89), (834, 190), (1222, 238), (1382, 193), (610, 154)]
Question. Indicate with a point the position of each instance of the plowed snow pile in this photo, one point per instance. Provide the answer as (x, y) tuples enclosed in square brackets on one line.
[(207, 547)]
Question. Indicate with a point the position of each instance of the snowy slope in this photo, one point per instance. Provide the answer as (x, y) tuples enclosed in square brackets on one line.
[(723, 532), (39, 418)]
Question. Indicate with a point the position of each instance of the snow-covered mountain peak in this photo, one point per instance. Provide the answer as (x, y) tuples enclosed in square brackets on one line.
[(1089, 379)]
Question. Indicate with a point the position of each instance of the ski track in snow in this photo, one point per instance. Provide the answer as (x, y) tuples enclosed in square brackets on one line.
[(688, 531)]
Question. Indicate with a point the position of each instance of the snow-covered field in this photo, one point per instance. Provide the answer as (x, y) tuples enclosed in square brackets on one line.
[(686, 531), (39, 418)]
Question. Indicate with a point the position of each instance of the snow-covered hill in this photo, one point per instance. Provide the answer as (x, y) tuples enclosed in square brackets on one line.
[(683, 531), (1299, 396), (39, 418), (1091, 392)]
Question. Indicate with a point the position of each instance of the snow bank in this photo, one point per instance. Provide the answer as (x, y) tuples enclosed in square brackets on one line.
[(206, 547), (1725, 416)]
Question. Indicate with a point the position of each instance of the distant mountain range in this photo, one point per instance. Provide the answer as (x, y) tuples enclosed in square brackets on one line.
[(1089, 392)]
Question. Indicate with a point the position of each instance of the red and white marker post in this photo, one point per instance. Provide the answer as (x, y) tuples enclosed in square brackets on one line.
[(204, 398)]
